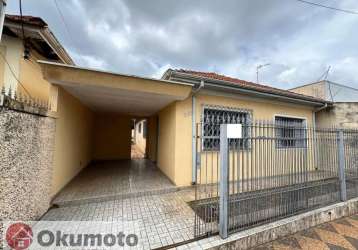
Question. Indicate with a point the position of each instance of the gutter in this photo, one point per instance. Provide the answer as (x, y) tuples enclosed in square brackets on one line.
[(193, 129)]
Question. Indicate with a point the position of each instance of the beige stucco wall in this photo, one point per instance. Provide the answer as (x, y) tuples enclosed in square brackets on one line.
[(12, 54), (31, 77), (166, 141), (2, 65), (112, 137), (317, 90), (73, 141), (261, 109), (151, 147), (28, 72)]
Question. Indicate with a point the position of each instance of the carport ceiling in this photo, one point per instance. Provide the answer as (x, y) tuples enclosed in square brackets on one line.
[(115, 93), (101, 99)]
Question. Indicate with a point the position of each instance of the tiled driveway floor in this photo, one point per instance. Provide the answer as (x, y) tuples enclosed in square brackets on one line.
[(159, 220), (114, 178), (336, 235), (136, 152)]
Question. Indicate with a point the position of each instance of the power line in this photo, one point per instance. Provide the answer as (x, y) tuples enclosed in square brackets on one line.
[(64, 23), (14, 75), (329, 7), (22, 21)]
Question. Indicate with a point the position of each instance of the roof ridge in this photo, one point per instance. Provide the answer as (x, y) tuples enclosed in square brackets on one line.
[(230, 77), (244, 83)]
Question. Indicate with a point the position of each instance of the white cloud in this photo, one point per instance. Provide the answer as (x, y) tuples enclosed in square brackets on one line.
[(140, 37)]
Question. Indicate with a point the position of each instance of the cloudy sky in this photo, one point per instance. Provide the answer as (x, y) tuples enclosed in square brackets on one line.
[(229, 37)]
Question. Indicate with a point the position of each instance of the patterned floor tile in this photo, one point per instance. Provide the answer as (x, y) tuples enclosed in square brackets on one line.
[(341, 234), (310, 233), (345, 230), (159, 220), (334, 239), (327, 227), (290, 242), (310, 244), (136, 176), (353, 241)]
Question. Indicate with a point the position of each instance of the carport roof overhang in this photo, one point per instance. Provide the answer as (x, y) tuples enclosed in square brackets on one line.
[(115, 93)]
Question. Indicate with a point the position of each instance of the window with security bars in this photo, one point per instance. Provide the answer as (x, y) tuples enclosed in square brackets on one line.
[(213, 117), (290, 132)]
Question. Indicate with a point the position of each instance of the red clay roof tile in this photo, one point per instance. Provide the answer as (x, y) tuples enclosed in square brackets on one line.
[(30, 20), (249, 85)]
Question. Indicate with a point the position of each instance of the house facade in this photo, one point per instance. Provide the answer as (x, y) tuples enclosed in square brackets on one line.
[(343, 112), (94, 109), (173, 106)]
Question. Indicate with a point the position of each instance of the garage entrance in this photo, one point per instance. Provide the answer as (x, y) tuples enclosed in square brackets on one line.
[(97, 113)]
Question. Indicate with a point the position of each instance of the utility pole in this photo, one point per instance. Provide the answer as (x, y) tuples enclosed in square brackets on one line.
[(2, 15), (257, 70)]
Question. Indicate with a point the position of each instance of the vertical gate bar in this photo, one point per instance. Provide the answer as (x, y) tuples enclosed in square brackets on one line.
[(224, 181), (194, 141), (341, 165)]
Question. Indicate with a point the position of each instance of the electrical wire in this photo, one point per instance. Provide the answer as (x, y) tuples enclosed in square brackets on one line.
[(64, 23), (22, 21), (328, 7), (14, 75)]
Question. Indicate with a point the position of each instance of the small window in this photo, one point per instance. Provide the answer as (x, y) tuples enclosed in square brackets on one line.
[(213, 117), (290, 132)]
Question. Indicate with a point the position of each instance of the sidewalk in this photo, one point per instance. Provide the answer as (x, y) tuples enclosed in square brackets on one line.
[(338, 234)]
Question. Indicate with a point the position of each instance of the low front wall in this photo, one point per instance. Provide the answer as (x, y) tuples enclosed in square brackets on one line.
[(26, 158)]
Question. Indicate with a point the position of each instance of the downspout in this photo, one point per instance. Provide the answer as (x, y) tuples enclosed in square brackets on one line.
[(314, 133), (193, 131), (316, 111)]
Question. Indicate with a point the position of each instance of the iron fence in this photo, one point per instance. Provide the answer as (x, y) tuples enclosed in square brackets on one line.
[(273, 170), (351, 162)]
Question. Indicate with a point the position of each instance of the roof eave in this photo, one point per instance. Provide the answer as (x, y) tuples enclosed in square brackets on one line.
[(228, 86), (48, 37)]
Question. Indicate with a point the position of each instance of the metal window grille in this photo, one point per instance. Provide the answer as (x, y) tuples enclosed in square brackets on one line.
[(213, 116), (291, 132)]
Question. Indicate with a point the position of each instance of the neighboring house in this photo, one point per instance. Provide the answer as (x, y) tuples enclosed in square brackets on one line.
[(140, 134), (19, 69), (343, 112)]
